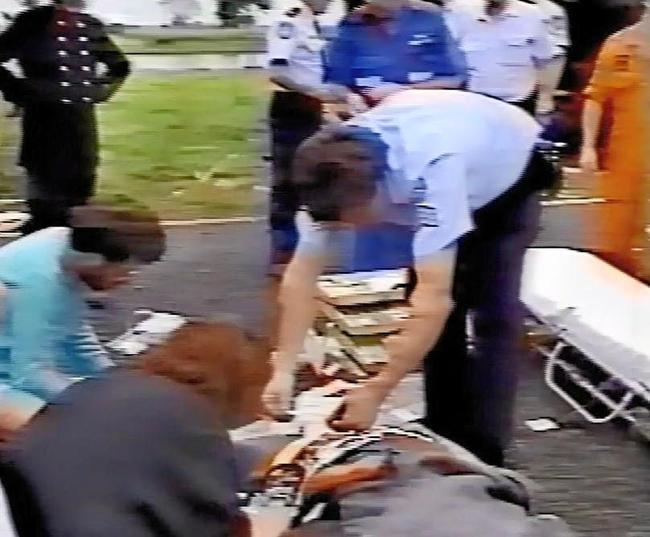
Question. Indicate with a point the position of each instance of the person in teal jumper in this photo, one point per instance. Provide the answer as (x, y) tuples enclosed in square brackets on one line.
[(46, 342)]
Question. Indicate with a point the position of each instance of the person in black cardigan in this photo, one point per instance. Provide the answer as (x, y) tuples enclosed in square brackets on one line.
[(144, 450), (69, 65)]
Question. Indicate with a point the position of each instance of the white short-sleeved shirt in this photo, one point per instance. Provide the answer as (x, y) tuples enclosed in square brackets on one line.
[(294, 37), (503, 53), (557, 25), (449, 153)]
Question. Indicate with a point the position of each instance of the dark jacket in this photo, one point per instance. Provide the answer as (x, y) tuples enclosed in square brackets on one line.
[(127, 455), (60, 53)]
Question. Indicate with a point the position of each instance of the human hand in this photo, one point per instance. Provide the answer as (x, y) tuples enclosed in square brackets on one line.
[(589, 159), (11, 421), (359, 409), (383, 91), (278, 394), (355, 104), (331, 115)]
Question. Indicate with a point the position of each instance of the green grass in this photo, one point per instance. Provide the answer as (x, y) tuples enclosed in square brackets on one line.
[(222, 44), (184, 145)]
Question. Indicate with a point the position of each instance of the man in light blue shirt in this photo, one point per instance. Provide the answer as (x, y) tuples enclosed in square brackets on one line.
[(460, 170), (46, 342), (380, 49)]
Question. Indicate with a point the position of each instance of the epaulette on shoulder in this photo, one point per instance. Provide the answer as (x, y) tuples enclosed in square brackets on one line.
[(293, 12)]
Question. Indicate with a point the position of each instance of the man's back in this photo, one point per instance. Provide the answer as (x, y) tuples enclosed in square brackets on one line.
[(493, 138)]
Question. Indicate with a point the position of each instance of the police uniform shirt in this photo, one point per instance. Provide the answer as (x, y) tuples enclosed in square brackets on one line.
[(557, 25), (294, 40), (449, 154), (413, 45), (503, 52), (449, 10)]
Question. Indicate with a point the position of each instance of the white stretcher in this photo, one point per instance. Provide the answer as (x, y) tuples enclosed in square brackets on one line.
[(589, 306)]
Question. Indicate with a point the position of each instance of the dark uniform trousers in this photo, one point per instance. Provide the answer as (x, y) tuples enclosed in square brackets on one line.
[(471, 385), (529, 104), (63, 175), (294, 117)]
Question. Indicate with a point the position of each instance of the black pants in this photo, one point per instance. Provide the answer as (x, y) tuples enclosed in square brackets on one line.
[(470, 392), (529, 104), (294, 117), (49, 204)]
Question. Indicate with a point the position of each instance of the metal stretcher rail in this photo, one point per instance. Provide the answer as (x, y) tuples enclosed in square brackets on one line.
[(627, 368)]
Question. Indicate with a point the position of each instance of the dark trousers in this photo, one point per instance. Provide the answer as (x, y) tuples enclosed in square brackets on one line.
[(529, 104), (294, 117), (50, 205), (470, 392)]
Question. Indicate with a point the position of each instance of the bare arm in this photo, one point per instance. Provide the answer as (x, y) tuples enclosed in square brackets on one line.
[(606, 78), (297, 312), (281, 75), (591, 117), (431, 304), (298, 308)]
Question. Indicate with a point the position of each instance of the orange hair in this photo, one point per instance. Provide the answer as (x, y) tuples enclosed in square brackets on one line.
[(216, 361)]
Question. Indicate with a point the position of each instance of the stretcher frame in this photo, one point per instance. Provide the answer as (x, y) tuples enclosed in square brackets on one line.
[(567, 322)]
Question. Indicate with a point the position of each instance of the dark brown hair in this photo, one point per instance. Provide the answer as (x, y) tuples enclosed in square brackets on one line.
[(333, 171), (118, 234), (218, 362)]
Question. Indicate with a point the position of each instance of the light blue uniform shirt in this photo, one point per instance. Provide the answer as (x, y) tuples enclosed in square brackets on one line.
[(45, 340), (449, 153)]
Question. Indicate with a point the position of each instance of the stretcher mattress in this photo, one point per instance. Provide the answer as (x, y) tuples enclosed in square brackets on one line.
[(596, 308)]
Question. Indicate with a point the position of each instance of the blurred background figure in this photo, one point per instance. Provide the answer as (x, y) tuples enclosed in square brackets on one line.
[(296, 65), (620, 84), (46, 341), (390, 45), (143, 450), (506, 46), (69, 64), (557, 25)]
